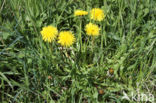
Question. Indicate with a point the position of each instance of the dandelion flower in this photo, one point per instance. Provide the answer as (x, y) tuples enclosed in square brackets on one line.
[(80, 13), (49, 33), (97, 14), (92, 29), (66, 38)]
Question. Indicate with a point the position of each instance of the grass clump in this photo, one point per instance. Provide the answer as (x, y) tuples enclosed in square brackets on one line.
[(104, 50)]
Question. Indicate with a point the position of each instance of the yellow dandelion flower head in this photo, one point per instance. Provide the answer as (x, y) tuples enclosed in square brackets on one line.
[(66, 38), (80, 13), (49, 33), (92, 29), (97, 14)]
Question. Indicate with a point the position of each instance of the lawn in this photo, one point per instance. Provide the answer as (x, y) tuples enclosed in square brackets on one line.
[(77, 51)]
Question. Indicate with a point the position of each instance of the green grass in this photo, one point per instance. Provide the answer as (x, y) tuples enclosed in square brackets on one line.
[(33, 71)]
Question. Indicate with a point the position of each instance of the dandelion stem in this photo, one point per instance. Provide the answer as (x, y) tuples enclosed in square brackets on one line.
[(101, 36), (93, 43), (80, 35), (51, 48)]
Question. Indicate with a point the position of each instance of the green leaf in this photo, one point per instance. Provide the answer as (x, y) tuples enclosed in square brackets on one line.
[(5, 35)]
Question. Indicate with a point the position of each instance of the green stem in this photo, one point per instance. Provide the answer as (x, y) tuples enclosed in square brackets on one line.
[(51, 47), (93, 38), (80, 35), (104, 33), (101, 36)]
